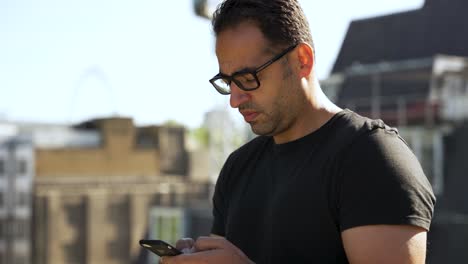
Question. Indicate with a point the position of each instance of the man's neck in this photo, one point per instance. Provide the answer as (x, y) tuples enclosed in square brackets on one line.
[(317, 111)]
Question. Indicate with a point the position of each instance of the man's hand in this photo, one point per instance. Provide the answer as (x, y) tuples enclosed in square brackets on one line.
[(185, 245), (207, 250)]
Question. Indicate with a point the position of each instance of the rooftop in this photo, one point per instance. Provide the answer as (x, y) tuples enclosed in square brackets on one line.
[(439, 27)]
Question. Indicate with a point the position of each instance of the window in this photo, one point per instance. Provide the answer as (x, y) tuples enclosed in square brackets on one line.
[(2, 167), (168, 224), (21, 198), (20, 229), (20, 259), (2, 230), (22, 167), (465, 91)]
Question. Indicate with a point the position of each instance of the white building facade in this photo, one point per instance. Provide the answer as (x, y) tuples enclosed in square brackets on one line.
[(16, 180)]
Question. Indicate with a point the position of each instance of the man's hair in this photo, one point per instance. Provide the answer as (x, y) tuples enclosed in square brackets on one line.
[(282, 22)]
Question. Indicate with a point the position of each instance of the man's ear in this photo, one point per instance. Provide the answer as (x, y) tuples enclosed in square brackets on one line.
[(306, 59)]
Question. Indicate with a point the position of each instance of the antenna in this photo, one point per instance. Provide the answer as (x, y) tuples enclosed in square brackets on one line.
[(205, 8)]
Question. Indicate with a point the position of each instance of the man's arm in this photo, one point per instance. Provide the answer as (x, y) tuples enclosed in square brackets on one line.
[(385, 244)]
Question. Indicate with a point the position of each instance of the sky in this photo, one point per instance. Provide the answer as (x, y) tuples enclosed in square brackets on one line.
[(65, 61)]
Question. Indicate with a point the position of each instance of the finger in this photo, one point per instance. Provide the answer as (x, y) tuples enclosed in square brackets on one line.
[(209, 243), (184, 243), (183, 258), (212, 243)]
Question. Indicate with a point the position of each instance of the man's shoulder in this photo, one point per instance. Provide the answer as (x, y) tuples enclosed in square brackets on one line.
[(349, 127), (355, 123), (369, 139)]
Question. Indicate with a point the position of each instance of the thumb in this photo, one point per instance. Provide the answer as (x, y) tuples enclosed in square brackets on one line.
[(185, 244), (209, 243)]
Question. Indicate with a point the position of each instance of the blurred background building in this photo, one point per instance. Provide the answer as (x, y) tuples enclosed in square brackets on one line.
[(99, 187), (224, 137), (411, 70), (16, 181)]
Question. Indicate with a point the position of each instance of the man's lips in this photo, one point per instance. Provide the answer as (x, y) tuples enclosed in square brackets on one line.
[(249, 115)]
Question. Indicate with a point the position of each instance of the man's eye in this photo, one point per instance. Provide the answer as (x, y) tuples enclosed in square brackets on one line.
[(247, 78)]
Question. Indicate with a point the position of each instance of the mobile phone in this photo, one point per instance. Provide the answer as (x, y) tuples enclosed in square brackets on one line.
[(159, 247)]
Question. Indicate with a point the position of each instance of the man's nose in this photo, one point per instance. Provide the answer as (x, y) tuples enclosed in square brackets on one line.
[(238, 96)]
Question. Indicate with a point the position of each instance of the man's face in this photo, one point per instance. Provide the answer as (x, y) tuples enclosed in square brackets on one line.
[(272, 108)]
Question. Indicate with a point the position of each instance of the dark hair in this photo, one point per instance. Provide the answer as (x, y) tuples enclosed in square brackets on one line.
[(282, 22)]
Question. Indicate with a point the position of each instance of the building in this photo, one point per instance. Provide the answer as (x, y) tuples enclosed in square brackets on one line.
[(88, 193), (411, 70), (16, 177), (224, 136)]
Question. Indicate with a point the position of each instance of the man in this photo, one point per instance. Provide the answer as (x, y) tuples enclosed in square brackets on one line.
[(320, 184)]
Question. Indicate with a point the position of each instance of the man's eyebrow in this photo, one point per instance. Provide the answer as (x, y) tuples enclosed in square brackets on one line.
[(269, 51), (245, 69)]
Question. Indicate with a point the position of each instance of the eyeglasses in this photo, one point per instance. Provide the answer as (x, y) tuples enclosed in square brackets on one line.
[(246, 79)]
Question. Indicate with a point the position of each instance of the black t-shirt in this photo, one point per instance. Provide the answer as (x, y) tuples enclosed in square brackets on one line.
[(289, 203)]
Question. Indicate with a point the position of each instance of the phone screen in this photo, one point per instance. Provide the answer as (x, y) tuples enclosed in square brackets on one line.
[(159, 247)]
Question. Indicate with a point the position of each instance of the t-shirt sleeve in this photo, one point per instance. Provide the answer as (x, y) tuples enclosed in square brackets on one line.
[(383, 183)]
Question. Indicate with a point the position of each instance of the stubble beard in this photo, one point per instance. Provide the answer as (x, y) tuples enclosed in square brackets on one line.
[(277, 119), (281, 115), (268, 124)]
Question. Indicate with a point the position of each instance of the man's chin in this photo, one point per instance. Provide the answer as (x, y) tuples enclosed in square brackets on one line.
[(257, 129)]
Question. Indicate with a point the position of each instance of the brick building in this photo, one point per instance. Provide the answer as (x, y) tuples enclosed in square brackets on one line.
[(98, 186)]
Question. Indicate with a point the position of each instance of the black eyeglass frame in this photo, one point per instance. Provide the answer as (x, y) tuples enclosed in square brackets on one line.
[(253, 72)]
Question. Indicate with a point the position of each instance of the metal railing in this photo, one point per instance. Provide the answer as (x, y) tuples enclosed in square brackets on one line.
[(397, 110)]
